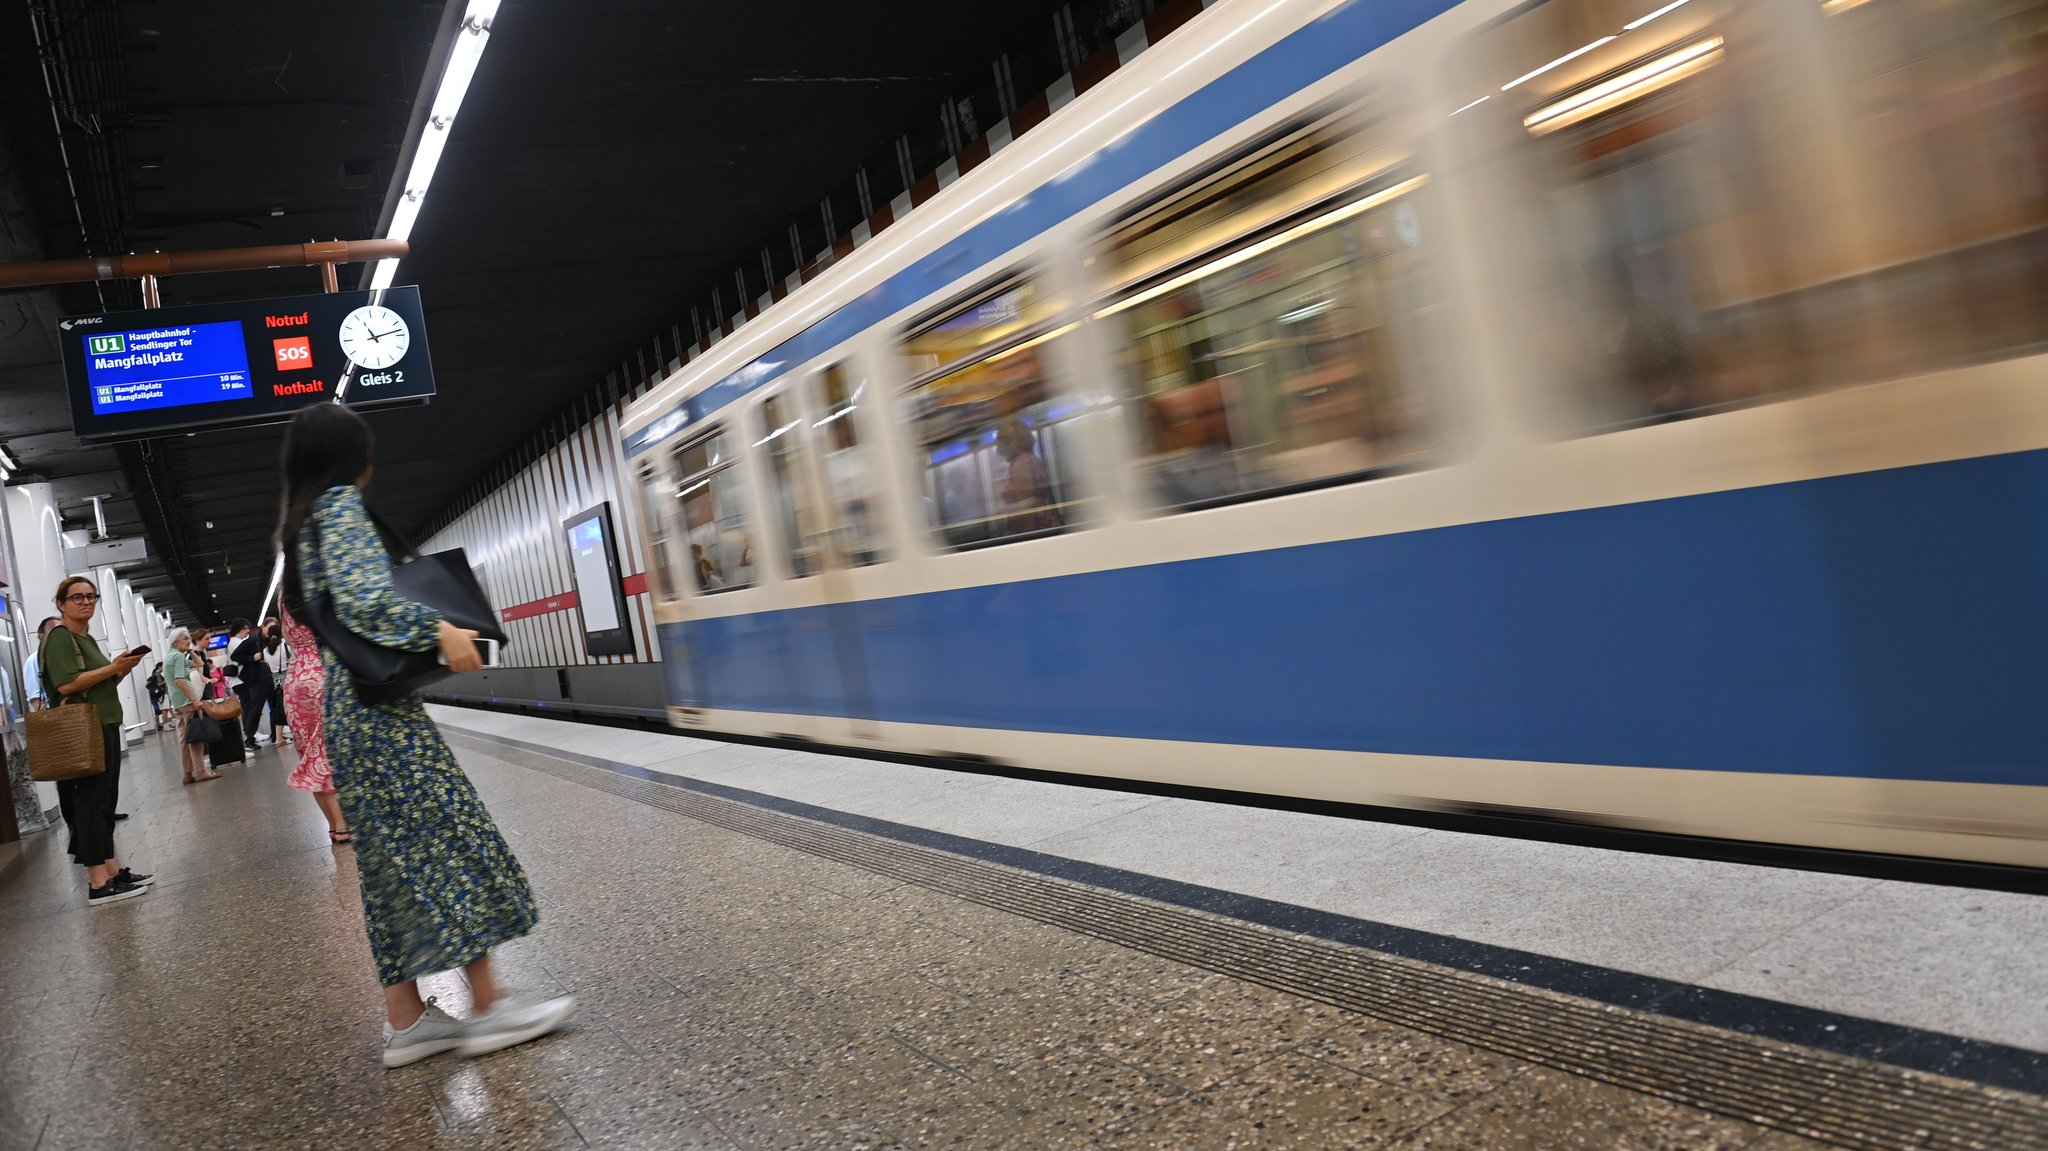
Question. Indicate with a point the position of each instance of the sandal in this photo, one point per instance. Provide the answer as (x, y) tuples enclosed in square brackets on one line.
[(208, 775), (341, 837)]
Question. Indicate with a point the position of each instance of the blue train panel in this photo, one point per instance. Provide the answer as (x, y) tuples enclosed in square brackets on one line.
[(1810, 628)]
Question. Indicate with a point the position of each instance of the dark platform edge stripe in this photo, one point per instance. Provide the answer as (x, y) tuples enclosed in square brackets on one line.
[(1911, 1048)]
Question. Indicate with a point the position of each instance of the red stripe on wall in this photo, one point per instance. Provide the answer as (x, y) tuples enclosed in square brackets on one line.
[(553, 603), (632, 585)]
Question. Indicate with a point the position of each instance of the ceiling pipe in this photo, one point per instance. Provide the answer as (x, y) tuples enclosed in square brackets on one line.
[(149, 264)]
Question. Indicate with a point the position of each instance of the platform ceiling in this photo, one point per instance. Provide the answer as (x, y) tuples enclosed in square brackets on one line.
[(610, 163)]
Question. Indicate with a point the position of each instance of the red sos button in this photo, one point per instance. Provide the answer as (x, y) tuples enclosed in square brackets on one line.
[(294, 353)]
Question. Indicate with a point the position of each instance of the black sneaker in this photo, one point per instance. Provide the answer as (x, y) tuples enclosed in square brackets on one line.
[(134, 880), (116, 890)]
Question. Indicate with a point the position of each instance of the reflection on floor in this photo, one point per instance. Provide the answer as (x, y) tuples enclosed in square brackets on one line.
[(736, 993)]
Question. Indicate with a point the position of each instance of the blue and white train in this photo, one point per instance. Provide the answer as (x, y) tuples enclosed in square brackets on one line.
[(1624, 411)]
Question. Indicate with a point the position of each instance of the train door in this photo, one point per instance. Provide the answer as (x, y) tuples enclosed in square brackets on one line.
[(682, 671), (822, 530)]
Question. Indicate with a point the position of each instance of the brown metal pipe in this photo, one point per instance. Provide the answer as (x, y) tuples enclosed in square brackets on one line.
[(187, 263)]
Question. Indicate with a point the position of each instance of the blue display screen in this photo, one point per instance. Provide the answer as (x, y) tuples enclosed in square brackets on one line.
[(167, 367)]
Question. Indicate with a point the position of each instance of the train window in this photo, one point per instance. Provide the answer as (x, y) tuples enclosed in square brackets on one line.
[(782, 437), (1948, 109), (653, 502), (713, 498), (846, 475), (1274, 317), (987, 424), (1732, 206)]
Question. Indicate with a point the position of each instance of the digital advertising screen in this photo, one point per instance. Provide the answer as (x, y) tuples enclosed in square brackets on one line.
[(135, 374), (595, 562)]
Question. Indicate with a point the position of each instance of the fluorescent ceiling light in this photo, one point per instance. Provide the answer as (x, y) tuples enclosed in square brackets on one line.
[(1567, 57), (462, 61), (1642, 20), (1833, 7), (1231, 260), (777, 432), (276, 581), (1633, 84), (1474, 104), (456, 74), (1307, 313), (7, 461), (402, 220)]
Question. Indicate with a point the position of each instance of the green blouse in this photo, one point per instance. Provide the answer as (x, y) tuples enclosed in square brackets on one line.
[(65, 660)]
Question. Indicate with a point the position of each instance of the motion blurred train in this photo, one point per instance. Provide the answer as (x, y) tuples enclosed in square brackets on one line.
[(1628, 412)]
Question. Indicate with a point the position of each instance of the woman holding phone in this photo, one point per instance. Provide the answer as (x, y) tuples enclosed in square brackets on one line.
[(440, 888), (76, 672)]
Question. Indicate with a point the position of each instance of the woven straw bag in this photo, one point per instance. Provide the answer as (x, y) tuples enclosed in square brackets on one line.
[(65, 742)]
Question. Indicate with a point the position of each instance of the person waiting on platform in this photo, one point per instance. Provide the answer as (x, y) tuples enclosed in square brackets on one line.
[(157, 691), (32, 668), (305, 690), (188, 687), (250, 653), (75, 671), (280, 654), (440, 888)]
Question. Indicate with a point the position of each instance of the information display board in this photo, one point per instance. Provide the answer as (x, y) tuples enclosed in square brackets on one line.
[(146, 373), (599, 595)]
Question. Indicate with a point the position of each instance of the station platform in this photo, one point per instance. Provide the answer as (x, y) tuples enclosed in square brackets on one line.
[(777, 948)]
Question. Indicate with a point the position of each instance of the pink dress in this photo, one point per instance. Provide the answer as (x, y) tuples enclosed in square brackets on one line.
[(304, 692)]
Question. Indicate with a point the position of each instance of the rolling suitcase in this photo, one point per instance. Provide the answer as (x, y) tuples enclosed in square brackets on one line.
[(228, 748)]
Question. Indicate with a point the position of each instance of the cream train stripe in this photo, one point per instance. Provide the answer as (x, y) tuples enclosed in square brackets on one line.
[(1987, 410), (1979, 822)]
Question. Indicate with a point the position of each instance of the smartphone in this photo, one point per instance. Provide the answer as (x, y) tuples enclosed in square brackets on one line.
[(139, 652), (489, 650)]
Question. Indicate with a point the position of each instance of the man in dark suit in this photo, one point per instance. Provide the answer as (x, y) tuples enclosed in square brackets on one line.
[(247, 649)]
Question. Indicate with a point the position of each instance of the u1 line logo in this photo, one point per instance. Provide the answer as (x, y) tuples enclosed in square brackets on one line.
[(107, 345)]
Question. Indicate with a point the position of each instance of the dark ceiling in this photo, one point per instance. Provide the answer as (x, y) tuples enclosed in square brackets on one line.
[(609, 164)]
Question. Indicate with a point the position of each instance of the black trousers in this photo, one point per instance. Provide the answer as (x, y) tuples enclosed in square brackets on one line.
[(255, 695), (88, 806)]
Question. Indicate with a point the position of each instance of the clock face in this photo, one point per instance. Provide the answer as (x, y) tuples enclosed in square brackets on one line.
[(374, 337)]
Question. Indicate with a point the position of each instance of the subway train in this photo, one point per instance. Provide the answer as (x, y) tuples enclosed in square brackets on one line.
[(1625, 413)]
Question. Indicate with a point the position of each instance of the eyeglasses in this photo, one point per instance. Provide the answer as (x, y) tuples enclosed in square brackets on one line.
[(83, 599)]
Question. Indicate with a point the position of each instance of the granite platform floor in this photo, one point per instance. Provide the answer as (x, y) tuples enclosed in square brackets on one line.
[(1949, 959), (736, 994)]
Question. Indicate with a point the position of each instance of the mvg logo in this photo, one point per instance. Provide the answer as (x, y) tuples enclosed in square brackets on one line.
[(112, 345)]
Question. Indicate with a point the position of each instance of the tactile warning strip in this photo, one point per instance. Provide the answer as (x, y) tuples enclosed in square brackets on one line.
[(1819, 1095)]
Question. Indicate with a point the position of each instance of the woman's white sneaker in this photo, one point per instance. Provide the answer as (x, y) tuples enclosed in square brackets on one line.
[(516, 1019), (432, 1033)]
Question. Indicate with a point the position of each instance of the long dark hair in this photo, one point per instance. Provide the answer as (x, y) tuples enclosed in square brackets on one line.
[(326, 446)]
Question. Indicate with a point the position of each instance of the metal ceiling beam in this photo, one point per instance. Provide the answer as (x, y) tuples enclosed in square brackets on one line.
[(147, 265)]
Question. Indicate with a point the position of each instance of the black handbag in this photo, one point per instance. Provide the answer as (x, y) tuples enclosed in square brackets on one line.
[(443, 581), (201, 728)]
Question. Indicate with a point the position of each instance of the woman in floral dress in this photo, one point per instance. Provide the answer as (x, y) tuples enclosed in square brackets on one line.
[(440, 888), (304, 689)]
